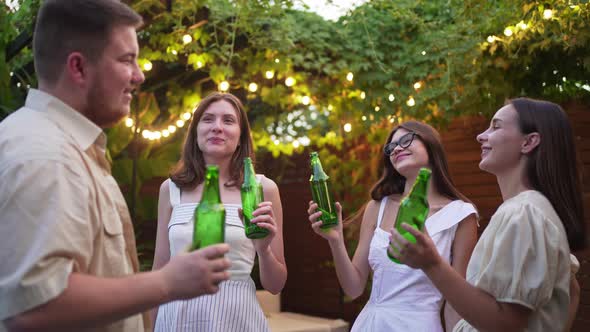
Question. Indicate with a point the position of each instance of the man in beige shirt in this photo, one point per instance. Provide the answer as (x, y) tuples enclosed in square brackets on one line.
[(67, 248)]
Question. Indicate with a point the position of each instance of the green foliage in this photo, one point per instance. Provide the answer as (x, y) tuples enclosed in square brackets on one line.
[(388, 46)]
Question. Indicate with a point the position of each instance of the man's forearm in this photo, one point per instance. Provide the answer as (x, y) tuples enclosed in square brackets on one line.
[(90, 301)]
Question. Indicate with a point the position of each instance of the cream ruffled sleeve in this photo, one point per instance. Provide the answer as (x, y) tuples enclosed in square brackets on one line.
[(521, 266)]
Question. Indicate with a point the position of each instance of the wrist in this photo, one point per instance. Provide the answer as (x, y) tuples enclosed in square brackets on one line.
[(434, 267), (161, 286), (337, 243), (264, 252)]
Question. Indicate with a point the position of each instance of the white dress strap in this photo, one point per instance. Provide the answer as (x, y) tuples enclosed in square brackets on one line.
[(174, 193), (381, 211), (449, 216)]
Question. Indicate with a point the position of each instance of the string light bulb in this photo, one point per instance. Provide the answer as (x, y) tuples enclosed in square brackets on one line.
[(508, 32), (411, 102), (252, 87), (363, 95), (179, 123), (491, 39), (305, 100), (269, 74), (547, 14), (187, 39), (349, 76), (289, 81), (224, 86), (147, 65), (129, 122), (391, 97), (347, 127)]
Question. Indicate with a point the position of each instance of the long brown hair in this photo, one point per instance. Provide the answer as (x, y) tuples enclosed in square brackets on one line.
[(189, 172), (552, 167), (392, 182)]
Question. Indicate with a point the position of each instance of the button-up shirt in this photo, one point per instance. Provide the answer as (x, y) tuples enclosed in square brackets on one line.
[(61, 211)]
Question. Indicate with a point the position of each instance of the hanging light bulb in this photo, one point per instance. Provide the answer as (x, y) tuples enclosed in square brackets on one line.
[(224, 86), (391, 97), (347, 127), (129, 122), (171, 129), (491, 39), (547, 14), (305, 100), (187, 39), (349, 77), (508, 32), (411, 102), (186, 116), (363, 95), (252, 87), (179, 123), (147, 65), (269, 74), (290, 81)]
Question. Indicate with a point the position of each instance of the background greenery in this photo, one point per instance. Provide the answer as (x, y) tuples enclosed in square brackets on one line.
[(468, 57)]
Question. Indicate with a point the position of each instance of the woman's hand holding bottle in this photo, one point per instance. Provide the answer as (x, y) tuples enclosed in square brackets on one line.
[(333, 234)]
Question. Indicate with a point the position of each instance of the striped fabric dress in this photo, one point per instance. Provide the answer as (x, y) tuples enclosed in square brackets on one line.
[(234, 307)]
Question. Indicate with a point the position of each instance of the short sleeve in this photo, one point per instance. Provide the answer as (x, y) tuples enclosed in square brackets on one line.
[(45, 232), (522, 265)]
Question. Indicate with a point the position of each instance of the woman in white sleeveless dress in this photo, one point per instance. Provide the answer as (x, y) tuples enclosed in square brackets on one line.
[(518, 278), (219, 134), (403, 299)]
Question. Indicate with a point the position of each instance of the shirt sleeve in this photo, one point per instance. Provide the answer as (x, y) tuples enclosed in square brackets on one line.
[(45, 232), (523, 265)]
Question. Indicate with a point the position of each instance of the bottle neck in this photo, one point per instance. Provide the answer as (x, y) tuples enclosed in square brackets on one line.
[(420, 188), (249, 174), (317, 170), (211, 190)]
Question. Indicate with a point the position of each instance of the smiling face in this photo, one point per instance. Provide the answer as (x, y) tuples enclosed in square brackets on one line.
[(218, 130), (114, 77), (408, 161), (501, 143)]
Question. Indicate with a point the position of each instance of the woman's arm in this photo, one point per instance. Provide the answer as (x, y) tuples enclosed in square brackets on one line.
[(162, 250), (475, 305), (463, 244), (271, 258), (352, 275), (574, 302)]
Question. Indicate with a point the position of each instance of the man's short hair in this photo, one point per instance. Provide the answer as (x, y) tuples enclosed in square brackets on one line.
[(65, 26)]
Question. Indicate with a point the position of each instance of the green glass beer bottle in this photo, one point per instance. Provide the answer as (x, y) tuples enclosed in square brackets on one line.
[(321, 193), (209, 227), (413, 209), (252, 195)]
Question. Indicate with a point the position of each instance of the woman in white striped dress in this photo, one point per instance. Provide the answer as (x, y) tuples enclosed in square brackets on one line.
[(219, 134)]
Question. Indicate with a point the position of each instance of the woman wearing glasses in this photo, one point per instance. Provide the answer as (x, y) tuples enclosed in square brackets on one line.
[(403, 299)]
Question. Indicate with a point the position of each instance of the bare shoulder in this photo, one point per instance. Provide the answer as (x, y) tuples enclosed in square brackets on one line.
[(165, 186), (268, 184), (370, 215)]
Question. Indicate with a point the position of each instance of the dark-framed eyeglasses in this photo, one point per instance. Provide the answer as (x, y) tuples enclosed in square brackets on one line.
[(403, 141)]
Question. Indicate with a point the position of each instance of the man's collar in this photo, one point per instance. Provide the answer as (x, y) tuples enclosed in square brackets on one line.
[(84, 131)]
